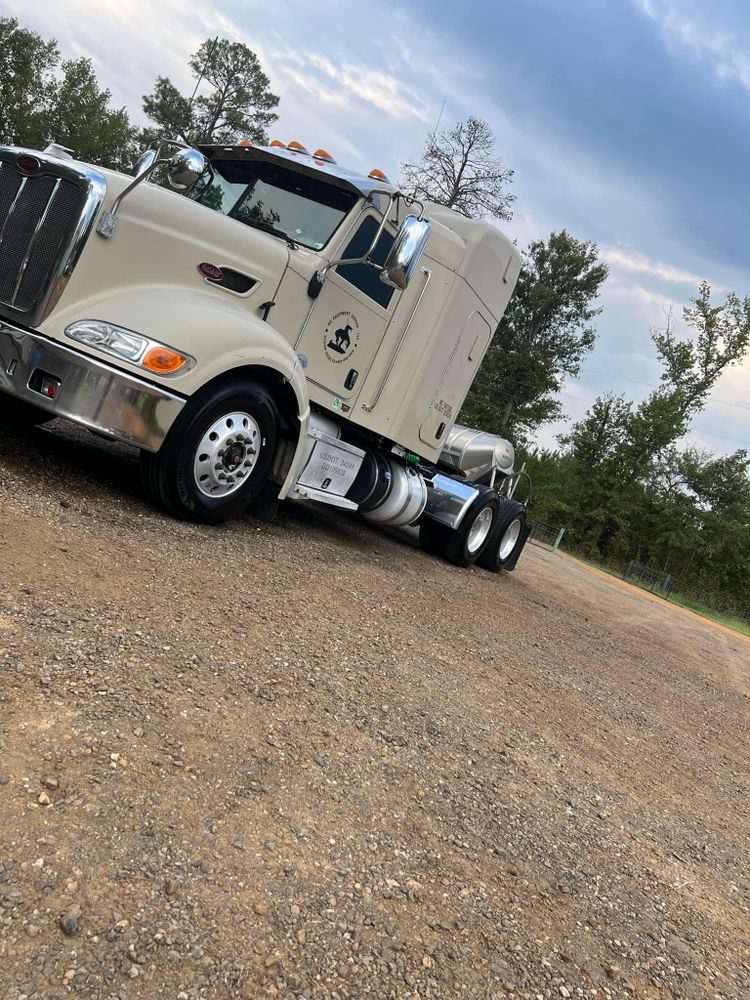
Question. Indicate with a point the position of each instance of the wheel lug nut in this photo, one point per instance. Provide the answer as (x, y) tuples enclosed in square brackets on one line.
[(222, 475)]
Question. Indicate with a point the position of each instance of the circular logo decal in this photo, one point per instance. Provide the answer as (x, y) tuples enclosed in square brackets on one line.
[(340, 337)]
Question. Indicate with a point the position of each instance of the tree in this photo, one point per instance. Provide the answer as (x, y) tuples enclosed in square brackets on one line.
[(239, 105), (41, 100), (623, 465), (27, 82), (459, 169), (544, 335), (80, 118)]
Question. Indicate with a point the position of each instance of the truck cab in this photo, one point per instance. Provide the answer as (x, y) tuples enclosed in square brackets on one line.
[(274, 327)]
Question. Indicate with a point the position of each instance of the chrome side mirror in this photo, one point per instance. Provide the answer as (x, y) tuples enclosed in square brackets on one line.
[(404, 255), (184, 168), (145, 162)]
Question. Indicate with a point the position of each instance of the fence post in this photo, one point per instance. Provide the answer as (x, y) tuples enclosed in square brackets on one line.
[(560, 533)]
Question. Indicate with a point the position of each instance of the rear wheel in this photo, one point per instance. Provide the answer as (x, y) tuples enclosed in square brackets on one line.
[(22, 414), (507, 539), (463, 545), (217, 455)]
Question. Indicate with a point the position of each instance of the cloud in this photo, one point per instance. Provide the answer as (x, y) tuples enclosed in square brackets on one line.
[(382, 90), (721, 48), (625, 258)]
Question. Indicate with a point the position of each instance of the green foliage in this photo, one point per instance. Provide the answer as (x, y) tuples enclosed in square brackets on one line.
[(631, 491), (240, 104), (81, 119), (27, 82), (543, 336), (42, 100)]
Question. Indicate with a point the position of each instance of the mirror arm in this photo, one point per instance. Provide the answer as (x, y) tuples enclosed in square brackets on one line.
[(138, 180), (108, 221)]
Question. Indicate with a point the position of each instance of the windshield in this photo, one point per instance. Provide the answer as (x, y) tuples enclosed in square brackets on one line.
[(271, 197)]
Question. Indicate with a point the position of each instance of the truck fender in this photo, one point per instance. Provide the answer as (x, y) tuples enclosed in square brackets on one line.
[(218, 331)]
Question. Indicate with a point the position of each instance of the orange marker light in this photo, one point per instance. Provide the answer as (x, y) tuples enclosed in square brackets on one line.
[(321, 154), (278, 143), (163, 361), (378, 175), (297, 147), (245, 142)]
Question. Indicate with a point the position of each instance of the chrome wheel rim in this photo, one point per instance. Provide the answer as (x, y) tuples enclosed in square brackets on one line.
[(226, 454), (509, 539), (480, 529)]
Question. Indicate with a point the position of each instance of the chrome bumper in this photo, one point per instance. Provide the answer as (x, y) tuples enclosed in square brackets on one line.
[(91, 393)]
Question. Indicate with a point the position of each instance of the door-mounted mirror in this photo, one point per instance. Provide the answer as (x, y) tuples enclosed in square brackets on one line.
[(184, 168), (404, 255)]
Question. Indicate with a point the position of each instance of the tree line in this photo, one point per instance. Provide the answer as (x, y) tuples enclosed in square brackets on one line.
[(620, 481)]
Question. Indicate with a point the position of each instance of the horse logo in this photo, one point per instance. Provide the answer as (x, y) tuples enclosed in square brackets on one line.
[(341, 336)]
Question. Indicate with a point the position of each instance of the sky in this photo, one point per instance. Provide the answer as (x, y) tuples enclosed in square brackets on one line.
[(627, 122)]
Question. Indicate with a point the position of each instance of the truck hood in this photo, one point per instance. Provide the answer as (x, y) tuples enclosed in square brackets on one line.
[(160, 240)]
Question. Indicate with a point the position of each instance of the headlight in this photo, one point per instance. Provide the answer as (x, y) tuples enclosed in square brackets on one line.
[(129, 346)]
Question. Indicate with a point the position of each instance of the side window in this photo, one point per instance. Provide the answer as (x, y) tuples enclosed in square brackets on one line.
[(362, 276)]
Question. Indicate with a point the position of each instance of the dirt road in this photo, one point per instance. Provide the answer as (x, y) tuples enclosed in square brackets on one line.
[(306, 760)]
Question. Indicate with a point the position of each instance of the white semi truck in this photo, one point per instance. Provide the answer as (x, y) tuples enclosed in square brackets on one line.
[(273, 327)]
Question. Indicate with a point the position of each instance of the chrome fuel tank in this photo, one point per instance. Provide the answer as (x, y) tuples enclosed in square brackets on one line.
[(477, 454)]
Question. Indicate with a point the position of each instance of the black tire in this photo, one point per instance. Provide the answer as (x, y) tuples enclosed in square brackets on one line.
[(169, 476), (22, 414), (504, 546), (456, 545)]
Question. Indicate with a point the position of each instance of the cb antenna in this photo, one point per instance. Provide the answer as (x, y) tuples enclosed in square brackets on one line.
[(442, 109), (209, 55)]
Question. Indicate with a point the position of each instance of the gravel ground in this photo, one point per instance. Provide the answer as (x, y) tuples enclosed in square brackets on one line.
[(304, 759)]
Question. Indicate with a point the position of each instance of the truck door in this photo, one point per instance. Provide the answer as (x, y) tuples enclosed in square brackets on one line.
[(349, 318)]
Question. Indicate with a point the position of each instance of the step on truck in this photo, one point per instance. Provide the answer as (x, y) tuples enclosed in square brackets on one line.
[(264, 326)]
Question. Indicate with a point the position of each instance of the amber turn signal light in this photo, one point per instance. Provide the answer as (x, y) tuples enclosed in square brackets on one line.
[(163, 360)]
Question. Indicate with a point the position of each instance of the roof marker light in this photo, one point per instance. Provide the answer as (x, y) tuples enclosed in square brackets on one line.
[(321, 154), (296, 147), (278, 143), (245, 142), (378, 175)]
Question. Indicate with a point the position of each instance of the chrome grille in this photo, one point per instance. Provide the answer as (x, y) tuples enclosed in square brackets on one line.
[(44, 218)]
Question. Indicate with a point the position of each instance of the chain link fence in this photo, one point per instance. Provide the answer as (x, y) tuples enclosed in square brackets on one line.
[(672, 589), (545, 535), (657, 581)]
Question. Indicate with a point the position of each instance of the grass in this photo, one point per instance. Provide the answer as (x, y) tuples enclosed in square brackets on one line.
[(683, 602), (716, 616)]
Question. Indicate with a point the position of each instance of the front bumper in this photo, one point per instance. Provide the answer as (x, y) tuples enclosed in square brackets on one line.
[(90, 393)]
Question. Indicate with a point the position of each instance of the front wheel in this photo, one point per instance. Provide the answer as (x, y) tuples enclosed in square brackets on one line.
[(508, 538), (217, 455)]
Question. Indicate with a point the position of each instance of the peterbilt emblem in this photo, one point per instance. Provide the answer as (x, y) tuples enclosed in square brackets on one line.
[(27, 164), (211, 272)]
